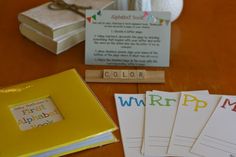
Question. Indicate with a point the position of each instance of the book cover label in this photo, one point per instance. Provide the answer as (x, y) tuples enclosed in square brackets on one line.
[(36, 114)]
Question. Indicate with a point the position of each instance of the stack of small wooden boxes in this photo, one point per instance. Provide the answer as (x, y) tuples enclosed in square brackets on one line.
[(60, 29)]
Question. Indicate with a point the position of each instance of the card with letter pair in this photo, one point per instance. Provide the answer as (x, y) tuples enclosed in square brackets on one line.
[(193, 112), (130, 109), (218, 137)]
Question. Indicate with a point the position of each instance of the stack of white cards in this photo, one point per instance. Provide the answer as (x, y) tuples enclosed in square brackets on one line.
[(186, 124)]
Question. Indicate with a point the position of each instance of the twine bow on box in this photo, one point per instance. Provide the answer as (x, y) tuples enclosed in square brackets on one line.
[(62, 5)]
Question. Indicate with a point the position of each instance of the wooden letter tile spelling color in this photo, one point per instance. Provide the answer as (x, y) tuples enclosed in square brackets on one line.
[(124, 76)]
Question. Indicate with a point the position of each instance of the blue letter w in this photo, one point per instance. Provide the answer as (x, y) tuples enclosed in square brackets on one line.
[(129, 102)]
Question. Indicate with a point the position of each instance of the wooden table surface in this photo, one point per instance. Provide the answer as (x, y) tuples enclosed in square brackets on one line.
[(203, 56)]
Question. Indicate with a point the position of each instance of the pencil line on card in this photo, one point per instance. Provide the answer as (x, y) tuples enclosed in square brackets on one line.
[(180, 145), (157, 137), (134, 138), (133, 146), (185, 137), (132, 141), (219, 143), (217, 148), (185, 140), (158, 141), (218, 139), (154, 145)]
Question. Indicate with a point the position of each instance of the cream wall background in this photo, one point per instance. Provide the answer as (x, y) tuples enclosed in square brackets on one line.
[(174, 6)]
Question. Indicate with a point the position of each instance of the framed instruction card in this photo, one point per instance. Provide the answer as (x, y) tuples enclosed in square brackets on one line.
[(127, 38)]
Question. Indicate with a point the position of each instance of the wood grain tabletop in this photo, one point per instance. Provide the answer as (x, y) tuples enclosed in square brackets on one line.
[(203, 56)]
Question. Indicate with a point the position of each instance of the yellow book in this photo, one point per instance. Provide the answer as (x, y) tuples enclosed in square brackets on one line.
[(52, 116)]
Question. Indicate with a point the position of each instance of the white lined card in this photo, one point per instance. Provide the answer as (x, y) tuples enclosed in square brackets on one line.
[(193, 112), (218, 136), (159, 118), (130, 109), (160, 113)]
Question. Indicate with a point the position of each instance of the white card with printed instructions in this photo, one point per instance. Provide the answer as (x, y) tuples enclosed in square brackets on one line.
[(127, 38)]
